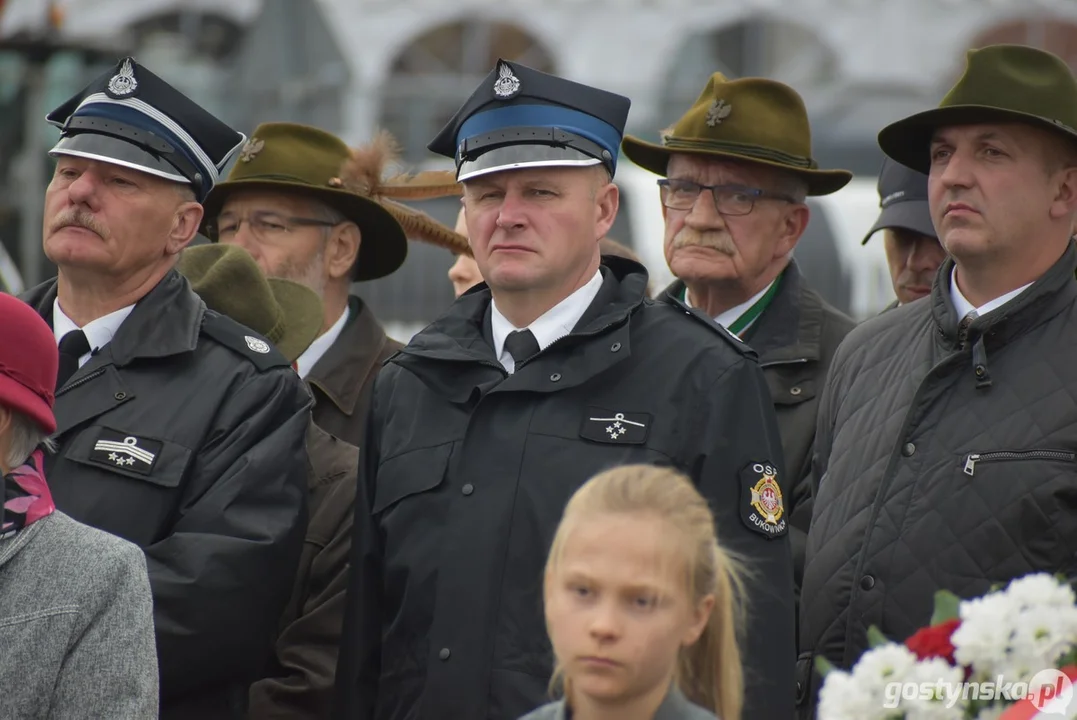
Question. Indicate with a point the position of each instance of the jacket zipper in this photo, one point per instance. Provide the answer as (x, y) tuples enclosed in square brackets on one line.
[(81, 380), (1059, 455)]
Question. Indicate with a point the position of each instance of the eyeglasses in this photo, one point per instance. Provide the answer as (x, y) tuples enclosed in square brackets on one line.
[(266, 226), (728, 199)]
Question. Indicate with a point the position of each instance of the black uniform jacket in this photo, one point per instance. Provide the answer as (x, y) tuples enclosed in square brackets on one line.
[(186, 436), (467, 469)]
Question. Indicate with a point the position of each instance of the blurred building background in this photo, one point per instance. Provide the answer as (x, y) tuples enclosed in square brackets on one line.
[(351, 66)]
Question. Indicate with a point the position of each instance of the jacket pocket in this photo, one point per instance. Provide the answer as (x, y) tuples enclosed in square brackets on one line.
[(410, 473), (972, 460), (131, 454)]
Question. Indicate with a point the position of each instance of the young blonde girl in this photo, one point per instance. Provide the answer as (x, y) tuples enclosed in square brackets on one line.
[(642, 603)]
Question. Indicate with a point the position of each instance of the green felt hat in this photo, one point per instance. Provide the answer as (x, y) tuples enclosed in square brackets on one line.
[(229, 281), (1001, 83), (752, 119)]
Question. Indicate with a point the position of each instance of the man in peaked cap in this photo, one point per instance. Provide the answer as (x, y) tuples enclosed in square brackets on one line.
[(211, 482), (945, 450), (913, 252), (736, 169), (485, 424)]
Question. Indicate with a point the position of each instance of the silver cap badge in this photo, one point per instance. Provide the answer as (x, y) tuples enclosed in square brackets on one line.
[(507, 84), (123, 82)]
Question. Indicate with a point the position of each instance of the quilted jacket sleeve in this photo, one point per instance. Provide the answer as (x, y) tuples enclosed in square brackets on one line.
[(222, 577), (736, 431)]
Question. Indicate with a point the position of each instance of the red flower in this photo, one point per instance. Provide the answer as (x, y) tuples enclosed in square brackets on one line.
[(934, 641)]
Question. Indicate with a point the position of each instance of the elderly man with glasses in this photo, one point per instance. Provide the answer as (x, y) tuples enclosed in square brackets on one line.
[(736, 169)]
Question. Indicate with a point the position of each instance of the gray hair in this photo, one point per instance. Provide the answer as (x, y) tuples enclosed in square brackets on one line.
[(23, 437), (792, 185)]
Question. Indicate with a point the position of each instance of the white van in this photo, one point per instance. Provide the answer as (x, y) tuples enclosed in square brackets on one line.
[(852, 277)]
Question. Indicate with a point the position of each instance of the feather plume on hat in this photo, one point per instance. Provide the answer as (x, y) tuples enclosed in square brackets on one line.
[(364, 174)]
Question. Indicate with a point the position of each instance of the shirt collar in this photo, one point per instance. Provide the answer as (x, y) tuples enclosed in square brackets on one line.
[(964, 307), (730, 316), (552, 325), (310, 357), (98, 332)]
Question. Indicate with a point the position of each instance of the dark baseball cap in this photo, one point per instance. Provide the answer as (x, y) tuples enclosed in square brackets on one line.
[(903, 199)]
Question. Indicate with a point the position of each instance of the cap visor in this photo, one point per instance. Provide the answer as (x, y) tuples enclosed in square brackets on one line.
[(514, 157), (117, 152), (911, 215)]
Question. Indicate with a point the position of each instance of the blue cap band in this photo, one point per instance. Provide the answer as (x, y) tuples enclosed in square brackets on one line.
[(553, 116)]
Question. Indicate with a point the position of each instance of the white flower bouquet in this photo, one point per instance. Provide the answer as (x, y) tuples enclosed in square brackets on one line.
[(1009, 655)]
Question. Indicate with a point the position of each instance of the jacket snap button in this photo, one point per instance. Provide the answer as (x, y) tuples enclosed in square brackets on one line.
[(908, 450), (980, 370), (555, 377), (120, 395), (794, 390), (867, 582), (444, 653), (468, 489), (615, 347)]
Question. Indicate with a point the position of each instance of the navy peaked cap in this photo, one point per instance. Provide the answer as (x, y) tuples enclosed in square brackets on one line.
[(521, 117), (128, 116)]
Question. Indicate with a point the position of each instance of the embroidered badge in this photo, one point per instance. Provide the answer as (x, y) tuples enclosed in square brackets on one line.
[(258, 346), (618, 428), (130, 452), (719, 111), (123, 83), (762, 505), (251, 148), (507, 84)]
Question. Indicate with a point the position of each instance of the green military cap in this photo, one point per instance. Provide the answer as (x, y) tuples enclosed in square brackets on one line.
[(1001, 83), (229, 281), (751, 119)]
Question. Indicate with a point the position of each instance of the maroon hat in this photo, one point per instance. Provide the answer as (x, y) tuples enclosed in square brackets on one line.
[(29, 362)]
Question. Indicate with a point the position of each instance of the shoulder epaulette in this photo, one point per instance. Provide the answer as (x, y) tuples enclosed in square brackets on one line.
[(243, 341), (708, 322)]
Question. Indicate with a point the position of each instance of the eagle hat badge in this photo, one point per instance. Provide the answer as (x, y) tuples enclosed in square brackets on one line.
[(719, 111), (507, 85), (123, 83), (762, 502)]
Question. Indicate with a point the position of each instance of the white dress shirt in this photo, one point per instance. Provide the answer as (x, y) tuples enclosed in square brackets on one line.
[(730, 316), (964, 307), (553, 324), (99, 332), (310, 357)]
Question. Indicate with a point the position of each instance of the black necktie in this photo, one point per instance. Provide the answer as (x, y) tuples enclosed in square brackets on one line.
[(521, 344), (73, 345)]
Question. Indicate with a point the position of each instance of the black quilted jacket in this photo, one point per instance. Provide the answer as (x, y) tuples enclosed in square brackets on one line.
[(945, 458)]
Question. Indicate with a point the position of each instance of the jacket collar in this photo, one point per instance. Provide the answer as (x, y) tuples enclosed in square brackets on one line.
[(675, 706), (1052, 292), (340, 372), (790, 329), (458, 338), (164, 322)]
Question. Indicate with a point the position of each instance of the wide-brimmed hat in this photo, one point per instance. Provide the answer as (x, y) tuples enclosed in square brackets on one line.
[(1001, 83), (29, 362), (301, 159), (753, 119), (229, 281)]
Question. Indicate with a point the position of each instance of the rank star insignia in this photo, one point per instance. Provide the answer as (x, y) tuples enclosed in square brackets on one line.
[(122, 450), (507, 84), (123, 83), (251, 148), (616, 427), (719, 111), (763, 507)]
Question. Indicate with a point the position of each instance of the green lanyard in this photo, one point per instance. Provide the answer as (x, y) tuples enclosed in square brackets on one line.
[(738, 326)]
